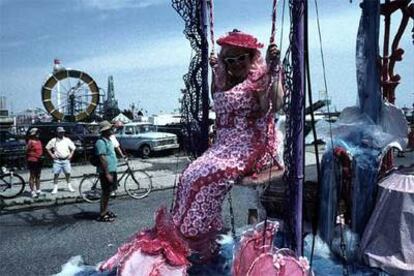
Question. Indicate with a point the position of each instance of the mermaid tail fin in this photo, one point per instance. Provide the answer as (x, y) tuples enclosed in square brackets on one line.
[(152, 251)]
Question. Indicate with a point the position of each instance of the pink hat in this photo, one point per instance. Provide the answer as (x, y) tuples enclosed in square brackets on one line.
[(239, 39)]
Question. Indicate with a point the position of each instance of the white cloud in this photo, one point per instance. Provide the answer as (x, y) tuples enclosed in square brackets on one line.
[(120, 4)]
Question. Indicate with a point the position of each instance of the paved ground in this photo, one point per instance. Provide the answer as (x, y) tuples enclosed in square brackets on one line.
[(163, 171), (38, 242)]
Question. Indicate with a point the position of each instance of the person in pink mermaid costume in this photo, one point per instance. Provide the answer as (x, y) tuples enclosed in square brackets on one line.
[(246, 92)]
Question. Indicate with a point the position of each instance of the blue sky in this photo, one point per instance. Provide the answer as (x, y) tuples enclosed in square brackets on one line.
[(140, 43)]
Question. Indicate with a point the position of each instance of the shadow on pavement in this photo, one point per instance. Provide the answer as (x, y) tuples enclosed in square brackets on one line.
[(86, 215), (50, 218)]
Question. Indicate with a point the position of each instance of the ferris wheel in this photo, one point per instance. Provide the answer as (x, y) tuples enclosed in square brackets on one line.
[(70, 95)]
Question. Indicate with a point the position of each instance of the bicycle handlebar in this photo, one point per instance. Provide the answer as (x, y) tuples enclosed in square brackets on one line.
[(125, 162)]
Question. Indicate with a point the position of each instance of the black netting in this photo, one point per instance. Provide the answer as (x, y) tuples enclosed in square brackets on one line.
[(293, 114), (193, 102)]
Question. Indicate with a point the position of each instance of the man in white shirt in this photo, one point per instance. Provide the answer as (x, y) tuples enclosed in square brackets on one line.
[(117, 146), (117, 125), (61, 149)]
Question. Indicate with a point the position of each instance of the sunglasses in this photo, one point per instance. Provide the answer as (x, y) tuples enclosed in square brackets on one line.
[(232, 60)]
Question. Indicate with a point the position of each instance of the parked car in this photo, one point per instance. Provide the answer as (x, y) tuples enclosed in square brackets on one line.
[(176, 129), (145, 139), (81, 134), (12, 150)]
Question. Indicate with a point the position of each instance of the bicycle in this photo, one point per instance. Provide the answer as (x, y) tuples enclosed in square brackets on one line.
[(11, 184), (137, 184)]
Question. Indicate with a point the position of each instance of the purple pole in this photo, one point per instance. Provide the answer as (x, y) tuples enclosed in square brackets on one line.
[(298, 116)]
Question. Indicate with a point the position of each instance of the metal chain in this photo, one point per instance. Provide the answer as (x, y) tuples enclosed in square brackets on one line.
[(175, 185), (273, 32), (210, 6), (345, 270), (233, 227)]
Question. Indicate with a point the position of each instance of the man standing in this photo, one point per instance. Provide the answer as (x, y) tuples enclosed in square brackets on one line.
[(106, 169), (117, 125), (61, 149)]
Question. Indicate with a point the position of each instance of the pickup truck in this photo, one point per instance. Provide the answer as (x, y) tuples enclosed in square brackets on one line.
[(145, 139)]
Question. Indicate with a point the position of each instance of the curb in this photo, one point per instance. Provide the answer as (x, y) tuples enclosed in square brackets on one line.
[(30, 204), (24, 173)]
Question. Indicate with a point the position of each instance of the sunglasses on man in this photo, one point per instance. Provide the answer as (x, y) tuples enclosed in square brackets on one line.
[(240, 58)]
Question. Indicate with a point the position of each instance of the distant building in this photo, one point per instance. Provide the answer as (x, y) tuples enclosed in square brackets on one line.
[(165, 119), (32, 115), (111, 108), (5, 120), (3, 106)]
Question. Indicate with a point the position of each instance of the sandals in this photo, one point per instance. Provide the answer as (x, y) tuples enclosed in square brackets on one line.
[(105, 218), (111, 214)]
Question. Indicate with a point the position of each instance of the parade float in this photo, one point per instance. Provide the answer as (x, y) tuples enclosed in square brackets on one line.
[(356, 178)]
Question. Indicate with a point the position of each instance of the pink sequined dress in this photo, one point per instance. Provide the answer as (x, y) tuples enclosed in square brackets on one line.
[(245, 143)]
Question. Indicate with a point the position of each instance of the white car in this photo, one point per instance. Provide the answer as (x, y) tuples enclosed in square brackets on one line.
[(144, 138)]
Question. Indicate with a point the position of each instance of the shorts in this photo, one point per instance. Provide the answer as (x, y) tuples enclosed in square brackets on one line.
[(35, 167), (61, 166), (108, 187)]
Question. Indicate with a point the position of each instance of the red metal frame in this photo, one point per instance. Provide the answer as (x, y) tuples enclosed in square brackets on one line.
[(389, 80)]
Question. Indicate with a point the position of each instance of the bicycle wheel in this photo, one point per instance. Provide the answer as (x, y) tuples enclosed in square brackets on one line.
[(11, 185), (138, 184), (90, 188)]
